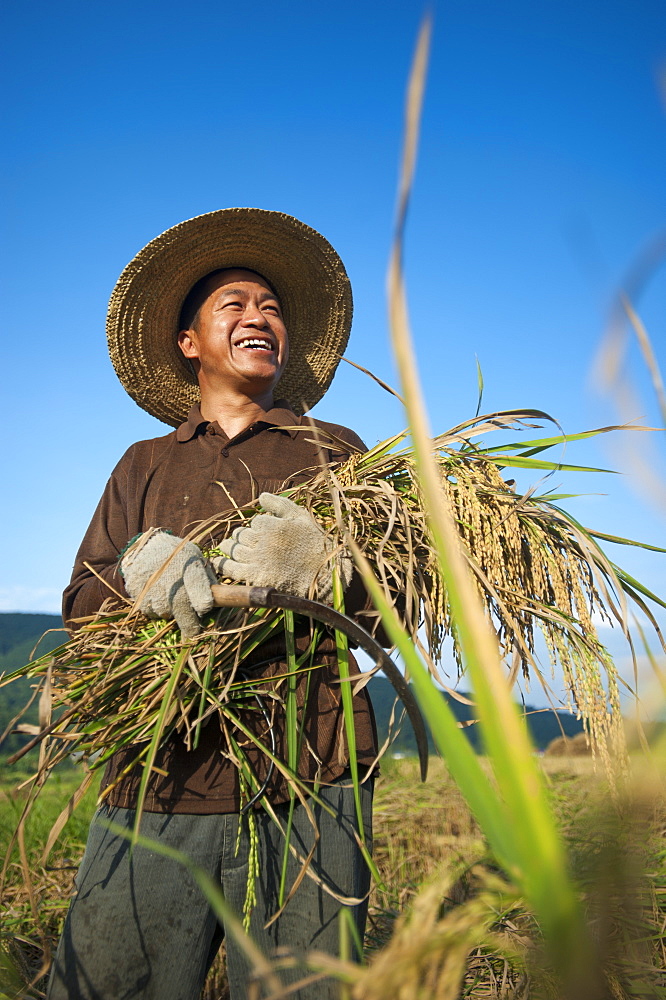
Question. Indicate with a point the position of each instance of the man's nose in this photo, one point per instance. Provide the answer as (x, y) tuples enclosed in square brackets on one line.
[(253, 316)]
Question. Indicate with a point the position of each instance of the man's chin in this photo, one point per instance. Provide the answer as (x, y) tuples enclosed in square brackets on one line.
[(258, 382)]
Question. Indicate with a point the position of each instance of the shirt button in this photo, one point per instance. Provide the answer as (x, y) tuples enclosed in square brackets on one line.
[(225, 452)]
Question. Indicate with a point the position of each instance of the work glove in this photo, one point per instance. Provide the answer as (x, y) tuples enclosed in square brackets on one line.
[(285, 549), (182, 591)]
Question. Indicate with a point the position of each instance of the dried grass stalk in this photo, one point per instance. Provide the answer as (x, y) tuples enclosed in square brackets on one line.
[(536, 569)]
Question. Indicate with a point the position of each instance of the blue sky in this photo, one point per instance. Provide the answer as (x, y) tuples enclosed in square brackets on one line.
[(540, 178)]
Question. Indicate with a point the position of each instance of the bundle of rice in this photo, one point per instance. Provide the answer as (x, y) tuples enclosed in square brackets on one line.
[(123, 679)]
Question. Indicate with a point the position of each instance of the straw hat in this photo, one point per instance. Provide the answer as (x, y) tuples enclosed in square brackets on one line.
[(303, 268)]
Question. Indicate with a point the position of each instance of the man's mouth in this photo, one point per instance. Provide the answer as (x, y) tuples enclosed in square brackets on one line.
[(256, 344)]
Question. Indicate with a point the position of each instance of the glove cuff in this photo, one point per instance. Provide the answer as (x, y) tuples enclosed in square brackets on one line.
[(125, 549), (134, 546)]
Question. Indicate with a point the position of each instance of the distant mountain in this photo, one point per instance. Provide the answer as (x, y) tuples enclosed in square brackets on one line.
[(19, 633), (22, 636), (544, 724)]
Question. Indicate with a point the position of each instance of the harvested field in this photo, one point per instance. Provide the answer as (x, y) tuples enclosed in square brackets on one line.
[(429, 852)]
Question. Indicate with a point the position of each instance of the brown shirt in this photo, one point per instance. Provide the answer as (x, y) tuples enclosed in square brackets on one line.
[(173, 482)]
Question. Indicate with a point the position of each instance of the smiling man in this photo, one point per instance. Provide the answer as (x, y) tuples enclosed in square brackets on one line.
[(229, 327)]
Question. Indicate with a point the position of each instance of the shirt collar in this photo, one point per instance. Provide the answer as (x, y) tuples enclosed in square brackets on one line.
[(280, 416), (194, 421)]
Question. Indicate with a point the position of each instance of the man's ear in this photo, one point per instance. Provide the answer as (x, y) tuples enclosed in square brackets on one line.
[(187, 343)]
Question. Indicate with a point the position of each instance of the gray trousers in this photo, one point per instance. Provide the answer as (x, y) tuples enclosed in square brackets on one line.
[(140, 927)]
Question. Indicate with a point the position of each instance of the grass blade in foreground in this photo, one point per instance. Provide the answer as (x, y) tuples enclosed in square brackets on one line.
[(535, 850)]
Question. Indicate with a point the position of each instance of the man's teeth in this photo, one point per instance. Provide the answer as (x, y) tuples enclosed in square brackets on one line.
[(256, 342)]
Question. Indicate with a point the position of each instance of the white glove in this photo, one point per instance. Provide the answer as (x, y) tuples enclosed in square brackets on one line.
[(182, 591), (285, 549)]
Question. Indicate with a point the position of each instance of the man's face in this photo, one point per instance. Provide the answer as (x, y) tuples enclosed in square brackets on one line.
[(240, 340)]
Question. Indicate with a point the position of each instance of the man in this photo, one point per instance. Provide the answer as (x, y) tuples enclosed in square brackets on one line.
[(228, 326)]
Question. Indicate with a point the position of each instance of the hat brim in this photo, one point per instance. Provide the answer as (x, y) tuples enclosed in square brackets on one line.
[(303, 268)]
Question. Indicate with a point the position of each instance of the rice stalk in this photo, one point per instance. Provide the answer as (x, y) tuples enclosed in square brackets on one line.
[(536, 570), (524, 829), (613, 368)]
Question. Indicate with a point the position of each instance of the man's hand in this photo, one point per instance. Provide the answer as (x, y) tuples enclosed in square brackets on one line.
[(285, 549), (181, 591)]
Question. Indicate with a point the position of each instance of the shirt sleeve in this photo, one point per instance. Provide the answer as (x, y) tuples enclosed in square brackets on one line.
[(97, 557)]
